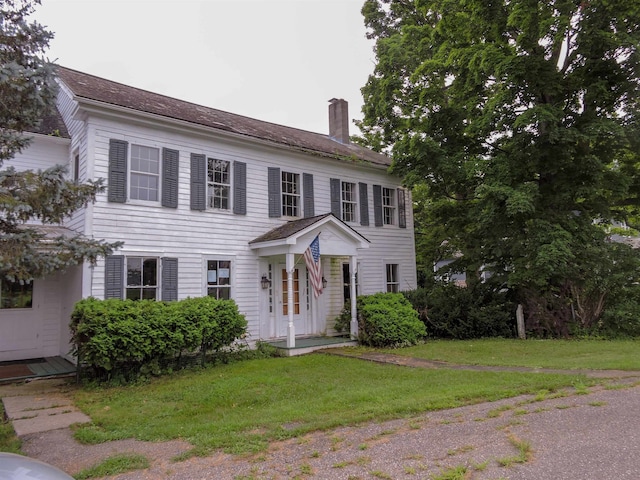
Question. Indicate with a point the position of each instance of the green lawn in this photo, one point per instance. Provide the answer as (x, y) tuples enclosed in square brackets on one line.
[(242, 406), (8, 440), (569, 354)]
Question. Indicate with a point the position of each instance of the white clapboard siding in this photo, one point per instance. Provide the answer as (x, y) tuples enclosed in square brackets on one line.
[(34, 332), (44, 152), (148, 229)]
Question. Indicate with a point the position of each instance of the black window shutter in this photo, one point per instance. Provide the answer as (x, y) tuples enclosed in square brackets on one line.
[(169, 279), (402, 209), (198, 182), (334, 184), (307, 186), (377, 205), (364, 205), (170, 159), (240, 188), (117, 171), (275, 199), (114, 276)]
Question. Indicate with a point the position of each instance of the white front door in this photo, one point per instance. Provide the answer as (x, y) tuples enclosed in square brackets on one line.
[(300, 317)]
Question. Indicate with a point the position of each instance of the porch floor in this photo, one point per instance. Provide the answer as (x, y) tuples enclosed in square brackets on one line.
[(36, 367), (311, 344)]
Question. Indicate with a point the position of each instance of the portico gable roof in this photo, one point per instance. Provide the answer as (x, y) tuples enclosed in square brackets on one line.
[(336, 237)]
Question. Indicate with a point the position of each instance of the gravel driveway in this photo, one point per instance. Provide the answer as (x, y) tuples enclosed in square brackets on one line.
[(594, 435)]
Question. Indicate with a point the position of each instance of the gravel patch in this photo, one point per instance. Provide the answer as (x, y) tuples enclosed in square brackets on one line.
[(589, 436)]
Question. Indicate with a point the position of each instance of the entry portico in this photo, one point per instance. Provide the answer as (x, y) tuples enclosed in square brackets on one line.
[(285, 245)]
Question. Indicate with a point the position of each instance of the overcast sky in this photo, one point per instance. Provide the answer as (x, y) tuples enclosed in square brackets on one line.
[(275, 60)]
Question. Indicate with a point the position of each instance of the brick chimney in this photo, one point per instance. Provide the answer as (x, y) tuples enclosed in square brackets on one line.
[(339, 120)]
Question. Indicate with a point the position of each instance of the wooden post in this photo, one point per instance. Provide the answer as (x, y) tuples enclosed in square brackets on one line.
[(291, 334), (353, 326), (520, 322)]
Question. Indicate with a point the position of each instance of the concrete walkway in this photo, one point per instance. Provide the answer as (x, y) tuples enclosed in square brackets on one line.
[(40, 406)]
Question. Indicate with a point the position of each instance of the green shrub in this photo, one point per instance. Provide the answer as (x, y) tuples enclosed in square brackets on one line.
[(342, 322), (130, 338), (621, 317), (450, 311), (388, 320)]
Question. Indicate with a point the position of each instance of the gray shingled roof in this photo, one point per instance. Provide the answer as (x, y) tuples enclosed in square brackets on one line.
[(288, 229), (50, 232), (99, 89), (52, 124), (294, 226)]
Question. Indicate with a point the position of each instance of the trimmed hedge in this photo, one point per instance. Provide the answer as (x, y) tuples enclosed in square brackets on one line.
[(388, 320), (136, 337)]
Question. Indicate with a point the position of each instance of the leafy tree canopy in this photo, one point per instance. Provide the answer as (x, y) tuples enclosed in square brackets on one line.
[(27, 95), (518, 119)]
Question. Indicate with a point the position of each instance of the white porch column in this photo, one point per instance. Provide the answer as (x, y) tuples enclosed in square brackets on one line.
[(291, 334), (353, 265)]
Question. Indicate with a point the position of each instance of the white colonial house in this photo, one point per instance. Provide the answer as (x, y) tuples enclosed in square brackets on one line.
[(212, 203)]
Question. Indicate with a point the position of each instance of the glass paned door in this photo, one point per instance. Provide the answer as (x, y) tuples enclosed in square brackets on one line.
[(300, 316)]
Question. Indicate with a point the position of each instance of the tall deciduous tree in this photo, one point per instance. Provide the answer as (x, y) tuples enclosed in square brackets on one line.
[(27, 96), (519, 119)]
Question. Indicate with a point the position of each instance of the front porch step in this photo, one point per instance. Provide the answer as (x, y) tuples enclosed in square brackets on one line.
[(311, 344)]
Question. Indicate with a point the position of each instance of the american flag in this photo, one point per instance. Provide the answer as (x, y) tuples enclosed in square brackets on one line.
[(312, 259)]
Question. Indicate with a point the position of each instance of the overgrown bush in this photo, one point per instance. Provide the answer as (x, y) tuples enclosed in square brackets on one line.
[(138, 337), (388, 320), (342, 323), (450, 311), (621, 316)]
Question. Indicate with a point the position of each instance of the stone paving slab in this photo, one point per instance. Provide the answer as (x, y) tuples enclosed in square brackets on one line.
[(41, 413), (25, 405), (44, 423)]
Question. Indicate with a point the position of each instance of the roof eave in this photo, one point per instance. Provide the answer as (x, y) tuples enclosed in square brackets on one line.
[(90, 105)]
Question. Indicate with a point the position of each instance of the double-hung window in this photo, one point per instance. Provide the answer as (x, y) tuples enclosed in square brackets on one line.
[(349, 201), (388, 206), (218, 183), (393, 281), (16, 294), (145, 173), (138, 172), (142, 278), (219, 279), (290, 194)]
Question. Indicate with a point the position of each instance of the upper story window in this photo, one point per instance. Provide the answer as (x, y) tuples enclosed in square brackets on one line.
[(137, 171), (15, 294), (145, 173), (290, 194), (142, 278), (218, 183), (388, 205), (349, 202)]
